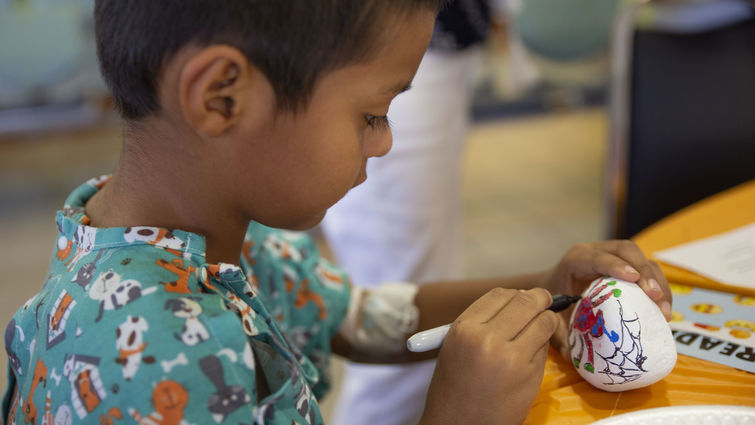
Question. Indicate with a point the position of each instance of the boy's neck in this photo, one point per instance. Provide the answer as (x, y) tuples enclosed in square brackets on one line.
[(169, 187)]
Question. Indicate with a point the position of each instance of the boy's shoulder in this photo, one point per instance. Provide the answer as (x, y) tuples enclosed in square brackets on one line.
[(130, 316), (127, 321), (115, 295)]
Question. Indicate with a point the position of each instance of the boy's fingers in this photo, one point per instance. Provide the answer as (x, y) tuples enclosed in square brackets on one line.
[(537, 333), (652, 281), (626, 256), (650, 278), (520, 311), (666, 298), (541, 355), (487, 306), (632, 256), (661, 280), (560, 337), (607, 264), (589, 261), (537, 362)]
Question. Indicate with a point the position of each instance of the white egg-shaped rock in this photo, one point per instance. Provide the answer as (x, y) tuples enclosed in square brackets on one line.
[(618, 337)]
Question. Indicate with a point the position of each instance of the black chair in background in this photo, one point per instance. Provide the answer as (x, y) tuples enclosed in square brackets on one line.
[(682, 109)]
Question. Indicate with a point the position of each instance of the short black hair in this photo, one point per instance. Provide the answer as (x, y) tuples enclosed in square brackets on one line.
[(293, 42)]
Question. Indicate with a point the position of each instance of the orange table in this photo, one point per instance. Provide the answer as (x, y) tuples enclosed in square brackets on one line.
[(565, 398), (717, 214)]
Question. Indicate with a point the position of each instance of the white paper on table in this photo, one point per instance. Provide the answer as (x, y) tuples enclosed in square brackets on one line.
[(727, 258)]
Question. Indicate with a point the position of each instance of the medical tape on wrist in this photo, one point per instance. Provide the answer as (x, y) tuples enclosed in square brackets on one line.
[(379, 318)]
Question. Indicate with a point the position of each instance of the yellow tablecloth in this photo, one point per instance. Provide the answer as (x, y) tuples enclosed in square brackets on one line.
[(565, 398)]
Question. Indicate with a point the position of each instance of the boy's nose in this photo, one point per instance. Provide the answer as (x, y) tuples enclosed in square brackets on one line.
[(382, 145)]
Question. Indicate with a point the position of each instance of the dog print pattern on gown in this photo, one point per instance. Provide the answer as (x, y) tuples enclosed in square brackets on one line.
[(133, 326)]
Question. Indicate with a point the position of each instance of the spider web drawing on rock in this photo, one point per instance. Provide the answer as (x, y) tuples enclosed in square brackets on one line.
[(621, 352), (626, 362)]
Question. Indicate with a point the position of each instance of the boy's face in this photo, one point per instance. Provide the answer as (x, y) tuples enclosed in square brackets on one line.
[(299, 165)]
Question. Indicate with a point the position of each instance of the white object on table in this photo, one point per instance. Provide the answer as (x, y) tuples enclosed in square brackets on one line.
[(697, 415), (727, 258), (618, 337)]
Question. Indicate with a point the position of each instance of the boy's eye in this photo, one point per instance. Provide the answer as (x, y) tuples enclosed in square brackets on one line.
[(378, 122)]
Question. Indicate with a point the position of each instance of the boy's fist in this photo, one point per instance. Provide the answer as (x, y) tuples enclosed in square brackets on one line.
[(491, 363)]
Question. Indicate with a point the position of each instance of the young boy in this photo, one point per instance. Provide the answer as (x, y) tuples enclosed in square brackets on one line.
[(170, 300)]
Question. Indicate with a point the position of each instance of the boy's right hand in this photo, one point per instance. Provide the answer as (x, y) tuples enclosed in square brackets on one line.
[(492, 361)]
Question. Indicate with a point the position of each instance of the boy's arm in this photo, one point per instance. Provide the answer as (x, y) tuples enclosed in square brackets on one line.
[(492, 362), (440, 303)]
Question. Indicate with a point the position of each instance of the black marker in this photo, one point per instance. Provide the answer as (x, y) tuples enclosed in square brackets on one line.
[(562, 302)]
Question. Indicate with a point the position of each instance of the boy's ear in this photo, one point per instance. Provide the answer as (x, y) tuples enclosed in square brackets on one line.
[(216, 88)]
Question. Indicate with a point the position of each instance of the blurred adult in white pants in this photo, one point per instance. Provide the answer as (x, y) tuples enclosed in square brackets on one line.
[(404, 223)]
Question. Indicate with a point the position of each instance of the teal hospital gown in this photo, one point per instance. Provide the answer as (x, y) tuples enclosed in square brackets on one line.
[(133, 326)]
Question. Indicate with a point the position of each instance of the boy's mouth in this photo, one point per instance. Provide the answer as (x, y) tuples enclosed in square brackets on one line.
[(362, 175)]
